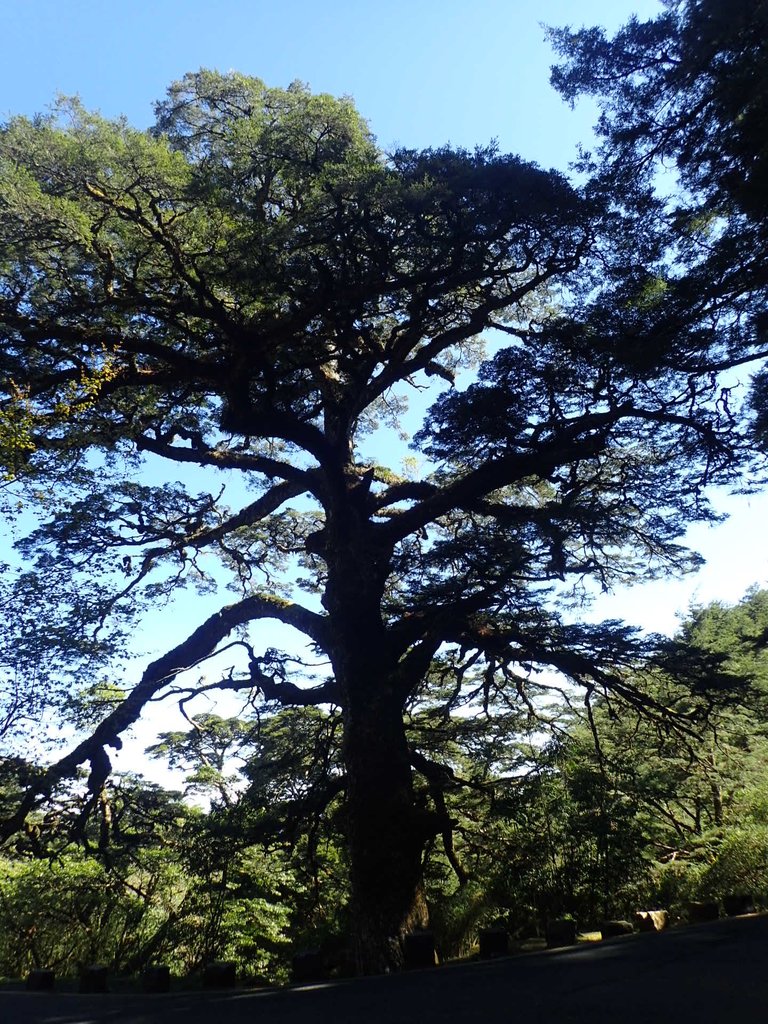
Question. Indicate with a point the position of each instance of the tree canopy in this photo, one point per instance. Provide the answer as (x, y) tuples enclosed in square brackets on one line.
[(248, 291), (684, 100)]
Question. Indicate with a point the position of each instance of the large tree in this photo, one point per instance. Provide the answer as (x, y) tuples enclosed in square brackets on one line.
[(249, 290)]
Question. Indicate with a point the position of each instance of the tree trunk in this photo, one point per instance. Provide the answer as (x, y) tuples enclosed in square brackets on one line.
[(386, 833)]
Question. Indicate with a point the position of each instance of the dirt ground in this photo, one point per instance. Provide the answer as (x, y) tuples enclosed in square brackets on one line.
[(707, 973)]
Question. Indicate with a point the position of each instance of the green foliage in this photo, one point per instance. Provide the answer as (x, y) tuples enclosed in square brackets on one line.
[(239, 291), (173, 884), (740, 863), (660, 812), (16, 442), (236, 906), (723, 648), (65, 914), (206, 752), (50, 655), (457, 913), (275, 787)]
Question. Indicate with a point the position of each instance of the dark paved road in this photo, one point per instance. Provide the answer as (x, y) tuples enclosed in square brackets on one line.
[(709, 973)]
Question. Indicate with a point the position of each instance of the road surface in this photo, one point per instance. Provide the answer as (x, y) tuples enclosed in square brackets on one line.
[(708, 973)]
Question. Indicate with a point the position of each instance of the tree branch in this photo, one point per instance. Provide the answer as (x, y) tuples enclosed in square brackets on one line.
[(199, 645), (222, 459)]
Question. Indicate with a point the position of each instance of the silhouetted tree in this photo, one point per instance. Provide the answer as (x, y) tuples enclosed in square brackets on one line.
[(250, 289)]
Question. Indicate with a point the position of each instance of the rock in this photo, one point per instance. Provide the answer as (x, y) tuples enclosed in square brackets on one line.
[(698, 913), (419, 950), (493, 942), (561, 933), (156, 979), (41, 979), (651, 920), (738, 903), (308, 965), (220, 974), (610, 929), (93, 979)]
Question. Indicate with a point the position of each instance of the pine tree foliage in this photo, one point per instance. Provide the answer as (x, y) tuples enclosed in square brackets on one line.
[(247, 292)]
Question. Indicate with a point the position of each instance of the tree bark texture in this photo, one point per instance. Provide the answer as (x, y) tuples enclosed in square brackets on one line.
[(386, 834)]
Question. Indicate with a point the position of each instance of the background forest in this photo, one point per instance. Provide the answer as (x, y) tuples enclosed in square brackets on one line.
[(556, 813), (210, 331)]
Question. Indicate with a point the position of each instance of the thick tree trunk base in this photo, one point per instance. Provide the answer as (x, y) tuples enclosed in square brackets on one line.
[(375, 951), (386, 833)]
